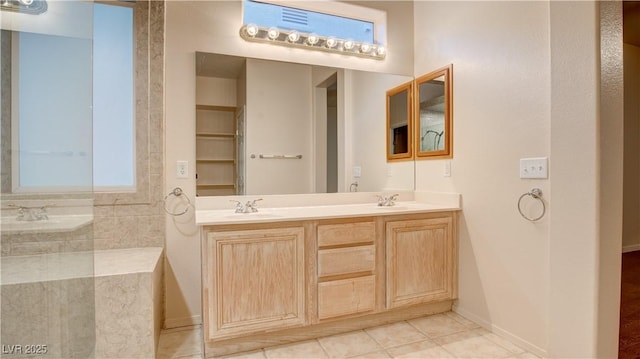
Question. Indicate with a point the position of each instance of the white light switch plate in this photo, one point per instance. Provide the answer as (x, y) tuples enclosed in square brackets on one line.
[(534, 167), (357, 171), (447, 169)]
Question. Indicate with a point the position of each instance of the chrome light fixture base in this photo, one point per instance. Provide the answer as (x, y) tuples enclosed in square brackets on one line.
[(293, 38)]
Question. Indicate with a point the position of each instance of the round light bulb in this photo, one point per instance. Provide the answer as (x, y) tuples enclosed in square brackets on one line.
[(312, 39), (365, 48), (348, 44), (273, 33), (26, 2), (331, 42), (381, 51), (293, 36), (251, 30)]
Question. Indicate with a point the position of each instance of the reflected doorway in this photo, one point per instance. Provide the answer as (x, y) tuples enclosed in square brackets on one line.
[(326, 135)]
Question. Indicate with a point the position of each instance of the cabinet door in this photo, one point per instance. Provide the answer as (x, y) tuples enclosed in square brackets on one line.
[(420, 261), (257, 281)]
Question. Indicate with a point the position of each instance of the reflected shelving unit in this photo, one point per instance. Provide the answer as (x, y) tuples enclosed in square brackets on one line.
[(215, 150)]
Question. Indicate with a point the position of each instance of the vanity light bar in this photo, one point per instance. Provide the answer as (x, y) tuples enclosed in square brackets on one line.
[(312, 41)]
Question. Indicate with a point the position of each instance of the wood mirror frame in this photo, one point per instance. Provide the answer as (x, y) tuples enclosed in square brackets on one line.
[(399, 123), (434, 91)]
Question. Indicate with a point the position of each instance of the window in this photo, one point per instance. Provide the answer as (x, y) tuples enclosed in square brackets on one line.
[(282, 17), (113, 97), (337, 19), (59, 85)]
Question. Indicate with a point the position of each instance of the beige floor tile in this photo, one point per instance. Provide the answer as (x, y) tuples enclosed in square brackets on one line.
[(420, 350), (179, 343), (525, 355), (512, 348), (395, 334), (307, 350), (472, 344), (349, 344), (256, 354), (376, 355), (437, 325), (462, 320)]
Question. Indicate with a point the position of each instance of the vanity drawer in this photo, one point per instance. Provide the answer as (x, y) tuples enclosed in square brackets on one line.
[(347, 296), (339, 261), (346, 233)]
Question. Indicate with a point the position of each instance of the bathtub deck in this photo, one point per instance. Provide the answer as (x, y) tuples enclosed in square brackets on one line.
[(127, 285)]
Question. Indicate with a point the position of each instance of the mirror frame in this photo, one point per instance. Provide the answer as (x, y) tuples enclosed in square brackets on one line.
[(405, 156), (447, 151)]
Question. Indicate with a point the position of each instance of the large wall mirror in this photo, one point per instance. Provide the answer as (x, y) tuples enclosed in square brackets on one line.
[(399, 123), (433, 117), (273, 127)]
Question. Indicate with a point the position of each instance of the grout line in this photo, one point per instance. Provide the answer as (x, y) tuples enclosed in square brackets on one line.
[(465, 329), (323, 348)]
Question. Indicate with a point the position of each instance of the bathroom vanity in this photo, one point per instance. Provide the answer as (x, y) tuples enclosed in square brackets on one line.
[(291, 273)]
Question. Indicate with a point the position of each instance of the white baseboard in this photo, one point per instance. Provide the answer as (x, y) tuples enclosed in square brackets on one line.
[(631, 248), (502, 333), (182, 322)]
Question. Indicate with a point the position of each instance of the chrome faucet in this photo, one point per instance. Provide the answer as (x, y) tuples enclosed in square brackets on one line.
[(387, 201), (249, 207), (32, 214)]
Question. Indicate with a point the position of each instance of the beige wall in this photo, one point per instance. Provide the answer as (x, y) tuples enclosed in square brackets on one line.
[(631, 234), (212, 26), (501, 99), (278, 122), (369, 119), (526, 84), (216, 91)]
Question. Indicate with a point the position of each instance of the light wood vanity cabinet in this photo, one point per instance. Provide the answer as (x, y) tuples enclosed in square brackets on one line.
[(421, 261), (256, 281), (266, 284), (346, 269)]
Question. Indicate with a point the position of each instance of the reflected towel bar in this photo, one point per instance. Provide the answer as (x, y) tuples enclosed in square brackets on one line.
[(278, 157)]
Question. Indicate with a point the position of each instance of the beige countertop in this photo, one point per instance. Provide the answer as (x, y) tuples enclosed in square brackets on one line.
[(217, 216)]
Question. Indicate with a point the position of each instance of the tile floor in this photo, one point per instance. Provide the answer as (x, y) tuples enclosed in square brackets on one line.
[(446, 335)]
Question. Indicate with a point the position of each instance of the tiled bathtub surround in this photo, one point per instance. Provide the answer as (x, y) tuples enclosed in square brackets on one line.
[(53, 299), (67, 229), (129, 302)]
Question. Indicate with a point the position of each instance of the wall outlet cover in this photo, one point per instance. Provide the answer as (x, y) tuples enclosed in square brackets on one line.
[(182, 169)]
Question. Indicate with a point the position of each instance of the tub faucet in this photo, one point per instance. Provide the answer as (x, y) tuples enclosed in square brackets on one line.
[(387, 201), (249, 207), (30, 214)]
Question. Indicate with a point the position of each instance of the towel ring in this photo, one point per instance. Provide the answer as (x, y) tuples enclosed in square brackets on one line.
[(537, 194), (177, 192)]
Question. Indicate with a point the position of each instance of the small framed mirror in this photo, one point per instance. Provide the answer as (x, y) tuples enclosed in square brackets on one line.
[(399, 123), (433, 115)]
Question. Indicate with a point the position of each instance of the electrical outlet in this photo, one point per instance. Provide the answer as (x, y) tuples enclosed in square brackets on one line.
[(182, 169), (534, 167)]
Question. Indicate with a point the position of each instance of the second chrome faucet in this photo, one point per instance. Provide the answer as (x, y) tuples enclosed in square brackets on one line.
[(248, 207), (387, 201)]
